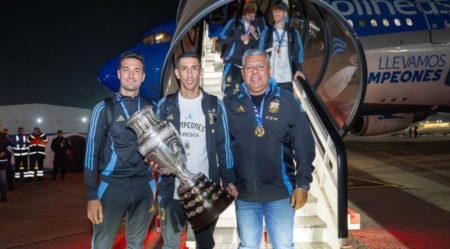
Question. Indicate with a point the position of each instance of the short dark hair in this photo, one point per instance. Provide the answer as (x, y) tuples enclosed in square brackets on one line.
[(59, 131), (188, 54), (131, 55)]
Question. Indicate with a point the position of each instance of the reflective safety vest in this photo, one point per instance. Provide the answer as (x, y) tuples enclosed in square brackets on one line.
[(37, 143), (19, 145)]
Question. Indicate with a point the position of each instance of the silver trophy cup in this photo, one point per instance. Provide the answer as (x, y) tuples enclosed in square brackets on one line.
[(159, 141)]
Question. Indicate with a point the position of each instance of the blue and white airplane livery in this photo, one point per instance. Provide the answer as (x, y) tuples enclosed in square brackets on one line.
[(407, 49), (377, 65)]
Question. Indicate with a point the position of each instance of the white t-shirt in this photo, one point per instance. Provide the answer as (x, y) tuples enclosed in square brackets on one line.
[(193, 135), (279, 61)]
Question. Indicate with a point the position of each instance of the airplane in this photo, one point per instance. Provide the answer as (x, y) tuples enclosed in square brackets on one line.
[(376, 65)]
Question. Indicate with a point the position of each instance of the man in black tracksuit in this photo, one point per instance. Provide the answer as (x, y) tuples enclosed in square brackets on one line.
[(201, 120), (262, 117), (60, 146), (111, 150)]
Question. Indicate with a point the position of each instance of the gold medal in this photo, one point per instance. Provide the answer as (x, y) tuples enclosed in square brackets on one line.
[(259, 131)]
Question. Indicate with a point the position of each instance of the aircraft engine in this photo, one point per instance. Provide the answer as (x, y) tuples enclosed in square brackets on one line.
[(382, 124)]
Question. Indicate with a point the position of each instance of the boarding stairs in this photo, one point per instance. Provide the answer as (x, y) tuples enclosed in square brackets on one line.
[(317, 223)]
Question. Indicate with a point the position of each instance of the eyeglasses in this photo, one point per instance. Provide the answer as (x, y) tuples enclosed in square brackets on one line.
[(259, 68)]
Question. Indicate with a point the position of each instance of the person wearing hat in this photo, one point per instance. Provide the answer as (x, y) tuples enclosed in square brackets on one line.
[(284, 46), (238, 35)]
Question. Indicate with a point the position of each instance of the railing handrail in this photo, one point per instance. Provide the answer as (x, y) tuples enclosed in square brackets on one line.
[(341, 156)]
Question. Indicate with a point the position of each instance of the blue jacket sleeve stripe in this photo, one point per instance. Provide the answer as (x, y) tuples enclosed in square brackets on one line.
[(223, 34), (230, 54), (225, 73), (101, 189), (295, 101), (112, 162), (286, 181), (91, 136), (227, 136), (262, 39), (158, 107), (300, 47)]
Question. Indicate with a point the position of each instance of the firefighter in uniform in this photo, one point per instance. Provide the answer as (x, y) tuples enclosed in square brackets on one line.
[(20, 149), (37, 142)]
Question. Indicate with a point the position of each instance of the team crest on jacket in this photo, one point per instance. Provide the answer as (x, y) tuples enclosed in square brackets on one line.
[(274, 106)]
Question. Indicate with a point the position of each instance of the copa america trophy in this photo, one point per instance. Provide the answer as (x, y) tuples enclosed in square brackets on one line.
[(159, 141)]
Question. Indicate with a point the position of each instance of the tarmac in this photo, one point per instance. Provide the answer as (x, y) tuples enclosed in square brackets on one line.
[(400, 186)]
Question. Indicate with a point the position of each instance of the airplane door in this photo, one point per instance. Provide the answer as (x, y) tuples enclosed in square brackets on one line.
[(186, 36), (437, 14), (334, 61)]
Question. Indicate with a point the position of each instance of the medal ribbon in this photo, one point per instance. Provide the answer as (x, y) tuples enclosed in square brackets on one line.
[(280, 40), (258, 113), (124, 109)]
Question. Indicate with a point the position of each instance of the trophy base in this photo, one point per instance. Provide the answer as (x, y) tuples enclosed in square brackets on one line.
[(204, 202)]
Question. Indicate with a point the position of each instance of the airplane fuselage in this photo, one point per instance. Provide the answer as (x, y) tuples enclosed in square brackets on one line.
[(407, 49)]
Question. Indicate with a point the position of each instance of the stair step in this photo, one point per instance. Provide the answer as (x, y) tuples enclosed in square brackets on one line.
[(309, 229), (228, 217), (212, 75), (306, 229), (314, 245)]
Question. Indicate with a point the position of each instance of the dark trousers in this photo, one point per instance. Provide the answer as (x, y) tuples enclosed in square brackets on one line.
[(232, 79), (21, 166), (173, 220), (133, 201), (3, 184), (10, 174), (59, 164), (37, 164)]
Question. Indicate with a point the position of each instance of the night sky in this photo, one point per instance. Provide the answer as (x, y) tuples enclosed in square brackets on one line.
[(52, 50)]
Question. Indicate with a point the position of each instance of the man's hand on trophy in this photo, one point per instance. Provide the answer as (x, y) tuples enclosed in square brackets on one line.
[(95, 211), (232, 190), (155, 167)]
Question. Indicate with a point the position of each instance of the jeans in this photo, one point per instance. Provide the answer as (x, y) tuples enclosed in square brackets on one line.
[(278, 217)]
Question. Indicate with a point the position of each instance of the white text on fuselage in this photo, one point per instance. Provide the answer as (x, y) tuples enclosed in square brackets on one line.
[(393, 7), (411, 68)]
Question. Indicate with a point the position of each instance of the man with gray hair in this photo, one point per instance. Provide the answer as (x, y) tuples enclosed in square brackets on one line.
[(262, 117)]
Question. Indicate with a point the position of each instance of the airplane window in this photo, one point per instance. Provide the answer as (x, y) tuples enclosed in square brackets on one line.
[(385, 22), (374, 23), (157, 38), (409, 22), (397, 22), (362, 23)]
